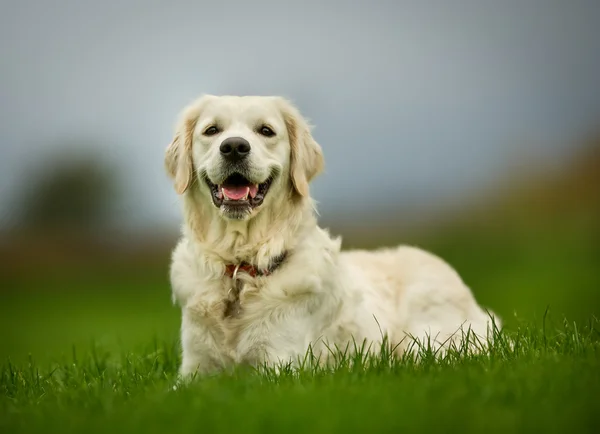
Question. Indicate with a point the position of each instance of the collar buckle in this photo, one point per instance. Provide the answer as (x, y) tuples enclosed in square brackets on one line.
[(231, 270)]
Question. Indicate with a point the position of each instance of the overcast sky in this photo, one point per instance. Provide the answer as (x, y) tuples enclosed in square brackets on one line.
[(412, 101)]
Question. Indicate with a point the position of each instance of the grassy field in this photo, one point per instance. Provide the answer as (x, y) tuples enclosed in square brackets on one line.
[(546, 381), (97, 351)]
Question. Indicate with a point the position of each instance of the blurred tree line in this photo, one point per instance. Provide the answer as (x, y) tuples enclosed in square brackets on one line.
[(72, 192)]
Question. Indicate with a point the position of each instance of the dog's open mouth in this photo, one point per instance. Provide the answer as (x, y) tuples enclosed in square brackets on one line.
[(238, 192)]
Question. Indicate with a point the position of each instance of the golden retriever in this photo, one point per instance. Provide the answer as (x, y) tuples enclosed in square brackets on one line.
[(257, 279)]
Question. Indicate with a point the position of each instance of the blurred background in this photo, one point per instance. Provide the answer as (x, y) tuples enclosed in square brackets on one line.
[(470, 128)]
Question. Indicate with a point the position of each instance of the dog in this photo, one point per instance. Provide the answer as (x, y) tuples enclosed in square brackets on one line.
[(258, 281)]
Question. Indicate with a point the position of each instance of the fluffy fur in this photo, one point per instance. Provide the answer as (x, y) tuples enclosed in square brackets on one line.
[(320, 296)]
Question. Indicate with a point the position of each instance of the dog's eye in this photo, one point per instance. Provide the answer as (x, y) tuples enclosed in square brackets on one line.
[(211, 131), (266, 131)]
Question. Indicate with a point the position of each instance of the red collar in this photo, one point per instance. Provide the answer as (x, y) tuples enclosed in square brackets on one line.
[(232, 269)]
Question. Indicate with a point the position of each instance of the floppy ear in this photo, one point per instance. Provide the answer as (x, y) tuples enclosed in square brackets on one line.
[(306, 159), (178, 156)]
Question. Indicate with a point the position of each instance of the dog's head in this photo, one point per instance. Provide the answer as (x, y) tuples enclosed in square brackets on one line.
[(242, 152)]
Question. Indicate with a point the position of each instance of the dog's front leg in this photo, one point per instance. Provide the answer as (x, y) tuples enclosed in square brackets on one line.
[(201, 341), (277, 330)]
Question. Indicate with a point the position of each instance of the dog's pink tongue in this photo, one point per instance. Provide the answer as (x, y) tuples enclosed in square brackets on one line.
[(235, 192)]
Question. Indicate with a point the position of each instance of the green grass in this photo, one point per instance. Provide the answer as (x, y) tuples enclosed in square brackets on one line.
[(547, 380), (47, 320), (97, 351)]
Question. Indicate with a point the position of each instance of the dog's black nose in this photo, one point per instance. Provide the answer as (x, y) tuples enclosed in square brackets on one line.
[(235, 148)]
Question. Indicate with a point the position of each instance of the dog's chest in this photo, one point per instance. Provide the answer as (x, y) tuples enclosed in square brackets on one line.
[(237, 294), (232, 302), (238, 322)]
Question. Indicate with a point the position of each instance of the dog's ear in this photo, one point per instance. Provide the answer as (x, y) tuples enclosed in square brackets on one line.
[(178, 162), (306, 160), (178, 156)]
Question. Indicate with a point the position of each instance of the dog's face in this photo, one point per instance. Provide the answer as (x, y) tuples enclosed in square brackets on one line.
[(241, 148), (242, 151)]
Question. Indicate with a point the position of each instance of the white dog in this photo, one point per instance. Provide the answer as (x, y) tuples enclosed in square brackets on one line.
[(256, 278)]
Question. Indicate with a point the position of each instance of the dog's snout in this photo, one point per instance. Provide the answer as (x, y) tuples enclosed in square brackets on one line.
[(235, 148)]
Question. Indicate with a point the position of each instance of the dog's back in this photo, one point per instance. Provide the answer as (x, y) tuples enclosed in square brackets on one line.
[(415, 292)]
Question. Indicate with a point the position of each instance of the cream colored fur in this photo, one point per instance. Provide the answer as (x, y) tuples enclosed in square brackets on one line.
[(320, 296)]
